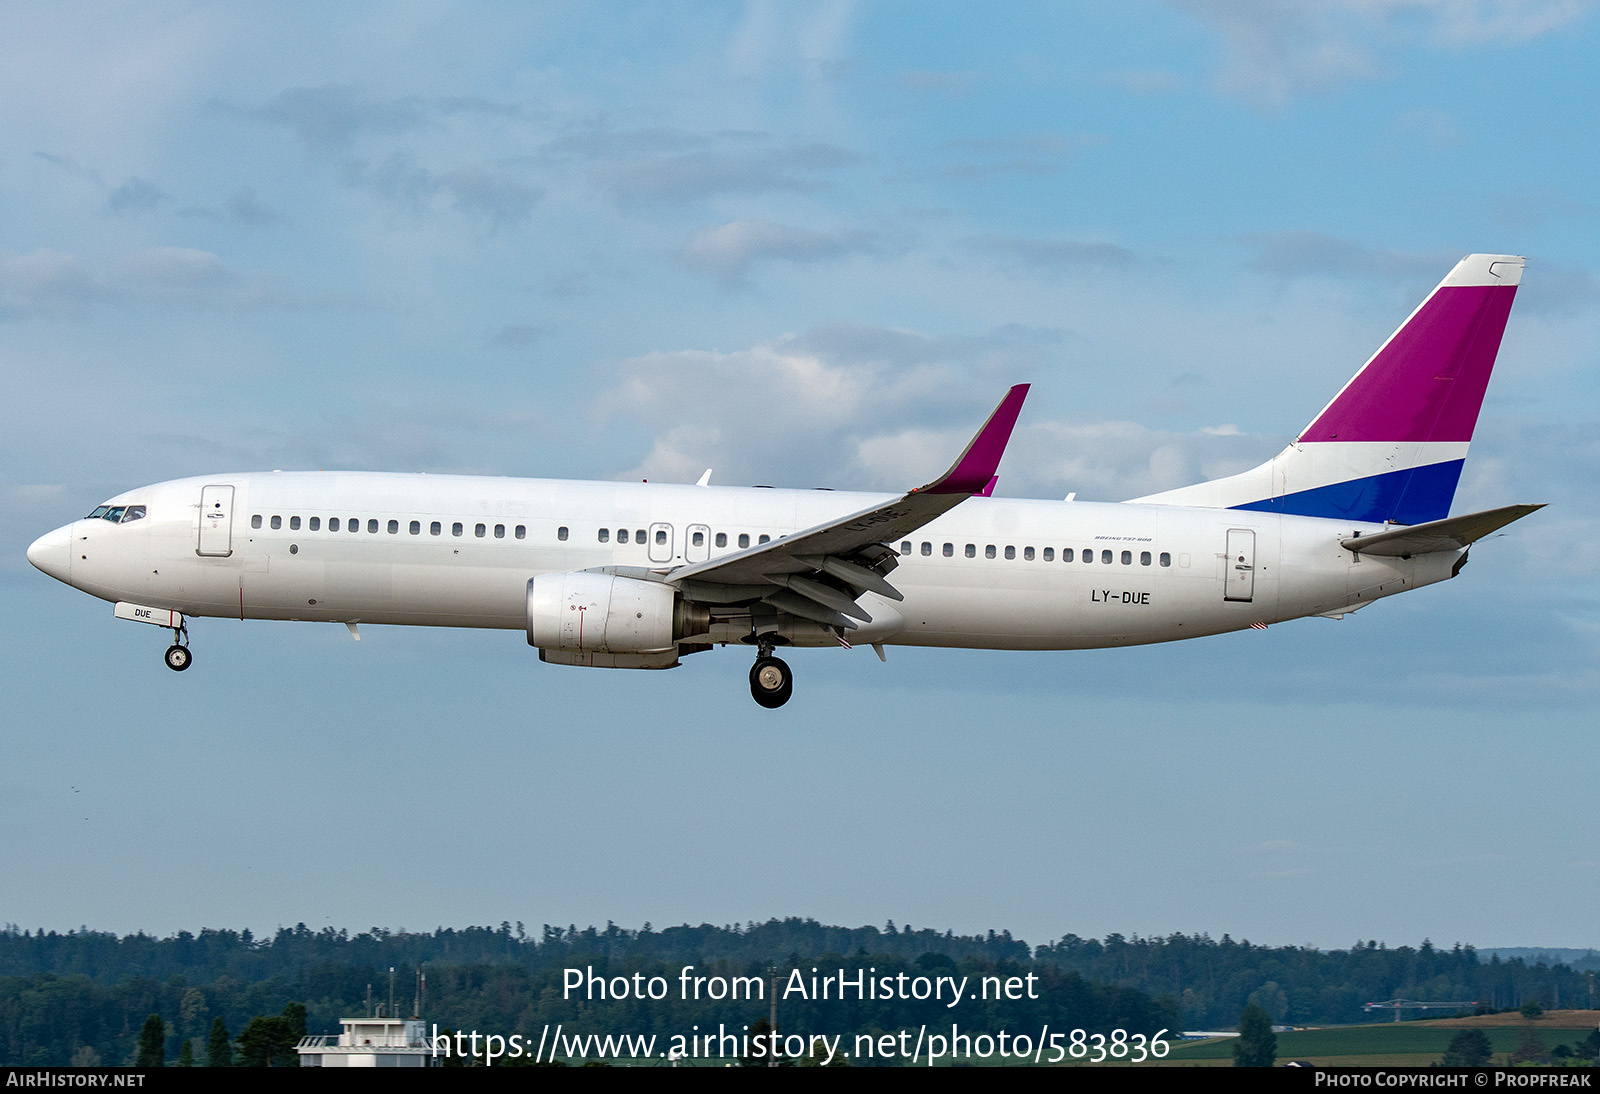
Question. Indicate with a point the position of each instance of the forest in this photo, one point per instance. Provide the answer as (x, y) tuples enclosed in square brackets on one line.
[(84, 996)]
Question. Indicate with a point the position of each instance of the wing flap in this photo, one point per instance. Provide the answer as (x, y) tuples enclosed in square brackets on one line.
[(851, 549)]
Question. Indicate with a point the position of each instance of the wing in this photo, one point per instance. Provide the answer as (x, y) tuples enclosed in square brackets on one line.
[(819, 572)]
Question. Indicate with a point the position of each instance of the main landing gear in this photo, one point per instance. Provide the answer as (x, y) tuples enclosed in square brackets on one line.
[(178, 656), (771, 682)]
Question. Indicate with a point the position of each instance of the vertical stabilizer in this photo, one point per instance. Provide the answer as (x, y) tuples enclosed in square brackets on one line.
[(1389, 447)]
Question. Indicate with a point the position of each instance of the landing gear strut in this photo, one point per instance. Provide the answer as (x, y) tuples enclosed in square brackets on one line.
[(771, 682), (178, 656)]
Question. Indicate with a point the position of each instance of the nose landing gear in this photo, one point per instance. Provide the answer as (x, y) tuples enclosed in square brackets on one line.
[(771, 682), (178, 656)]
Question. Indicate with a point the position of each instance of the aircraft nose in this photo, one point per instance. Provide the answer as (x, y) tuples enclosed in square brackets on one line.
[(52, 553)]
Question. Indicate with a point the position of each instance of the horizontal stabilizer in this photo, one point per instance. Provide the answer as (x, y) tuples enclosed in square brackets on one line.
[(1450, 534)]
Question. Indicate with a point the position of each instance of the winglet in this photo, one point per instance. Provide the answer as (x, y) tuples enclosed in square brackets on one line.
[(974, 471)]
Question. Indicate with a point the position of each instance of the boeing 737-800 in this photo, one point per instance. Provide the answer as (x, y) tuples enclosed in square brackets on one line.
[(638, 575)]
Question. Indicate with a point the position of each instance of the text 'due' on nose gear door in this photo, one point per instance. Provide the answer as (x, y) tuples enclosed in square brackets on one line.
[(216, 522), (1241, 565)]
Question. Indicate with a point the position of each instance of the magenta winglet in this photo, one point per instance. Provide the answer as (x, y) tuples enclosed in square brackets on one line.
[(1428, 380), (974, 471)]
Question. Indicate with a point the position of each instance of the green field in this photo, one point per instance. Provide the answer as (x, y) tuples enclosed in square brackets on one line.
[(1386, 1044)]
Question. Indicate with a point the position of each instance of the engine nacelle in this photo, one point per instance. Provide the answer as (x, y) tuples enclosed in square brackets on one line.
[(580, 612)]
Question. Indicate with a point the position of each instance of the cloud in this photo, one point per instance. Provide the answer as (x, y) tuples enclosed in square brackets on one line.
[(692, 176), (1062, 257), (665, 165), (516, 336), (330, 118), (728, 251), (956, 83), (1313, 254), (243, 208), (135, 196), (499, 197), (45, 282), (1039, 154), (872, 408), (1275, 51), (53, 283)]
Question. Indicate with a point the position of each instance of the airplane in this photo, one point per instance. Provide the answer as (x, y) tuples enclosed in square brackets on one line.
[(639, 575)]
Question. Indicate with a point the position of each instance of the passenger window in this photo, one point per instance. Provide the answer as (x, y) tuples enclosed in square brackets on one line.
[(416, 527), (764, 539), (699, 539), (255, 521), (905, 547), (435, 528), (1011, 552), (949, 550), (1166, 559), (333, 524), (927, 548), (1127, 558), (622, 535), (744, 539), (482, 530), (1050, 555), (988, 552), (456, 529), (1105, 557), (605, 535), (277, 522), (722, 539), (499, 531), (1144, 558), (1027, 554), (294, 523), (394, 527), (972, 550), (561, 533), (522, 531), (1088, 554), (638, 535), (372, 525), (661, 537), (316, 524)]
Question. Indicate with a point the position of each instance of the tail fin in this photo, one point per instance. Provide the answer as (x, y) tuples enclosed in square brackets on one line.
[(1390, 446)]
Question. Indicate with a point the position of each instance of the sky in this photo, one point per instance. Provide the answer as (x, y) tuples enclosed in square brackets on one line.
[(801, 244)]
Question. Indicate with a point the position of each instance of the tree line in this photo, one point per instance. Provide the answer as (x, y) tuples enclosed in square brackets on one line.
[(66, 995)]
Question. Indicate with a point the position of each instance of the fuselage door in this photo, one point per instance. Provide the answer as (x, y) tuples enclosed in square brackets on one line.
[(216, 522), (697, 543), (661, 543), (1241, 565)]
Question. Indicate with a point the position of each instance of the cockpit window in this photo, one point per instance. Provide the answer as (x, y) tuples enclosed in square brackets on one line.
[(116, 513)]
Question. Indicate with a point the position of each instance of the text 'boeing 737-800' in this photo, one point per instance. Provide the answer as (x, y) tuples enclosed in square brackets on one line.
[(638, 575)]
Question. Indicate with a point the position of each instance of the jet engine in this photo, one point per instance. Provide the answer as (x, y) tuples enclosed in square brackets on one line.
[(586, 613)]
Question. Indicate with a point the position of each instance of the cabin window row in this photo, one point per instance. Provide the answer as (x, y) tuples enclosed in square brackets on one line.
[(696, 538), (1047, 554), (374, 525)]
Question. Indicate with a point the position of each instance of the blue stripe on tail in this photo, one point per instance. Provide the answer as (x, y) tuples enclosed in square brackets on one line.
[(1413, 496)]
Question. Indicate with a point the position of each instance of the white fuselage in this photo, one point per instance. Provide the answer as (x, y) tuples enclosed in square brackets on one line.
[(439, 550)]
